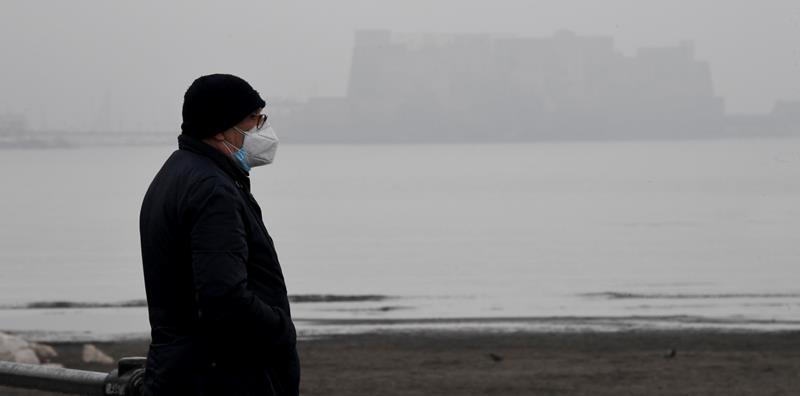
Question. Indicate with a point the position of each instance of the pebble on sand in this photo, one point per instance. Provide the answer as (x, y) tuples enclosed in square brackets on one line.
[(43, 351), (93, 355), (15, 349)]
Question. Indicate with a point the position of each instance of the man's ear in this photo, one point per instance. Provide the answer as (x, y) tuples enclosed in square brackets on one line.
[(219, 137)]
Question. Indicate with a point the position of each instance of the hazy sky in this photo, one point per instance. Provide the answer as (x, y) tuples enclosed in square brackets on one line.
[(114, 65)]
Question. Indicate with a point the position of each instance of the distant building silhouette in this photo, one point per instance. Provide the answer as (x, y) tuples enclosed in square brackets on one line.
[(785, 117), (13, 125), (486, 87)]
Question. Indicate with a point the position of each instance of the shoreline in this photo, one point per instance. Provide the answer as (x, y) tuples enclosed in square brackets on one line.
[(636, 362), (311, 328)]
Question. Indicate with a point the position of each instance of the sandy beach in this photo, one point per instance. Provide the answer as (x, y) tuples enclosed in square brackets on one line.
[(675, 362)]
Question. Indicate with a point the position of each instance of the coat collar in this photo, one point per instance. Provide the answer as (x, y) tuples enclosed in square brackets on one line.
[(192, 144)]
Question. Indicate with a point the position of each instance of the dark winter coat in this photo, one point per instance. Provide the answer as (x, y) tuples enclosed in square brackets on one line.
[(219, 312)]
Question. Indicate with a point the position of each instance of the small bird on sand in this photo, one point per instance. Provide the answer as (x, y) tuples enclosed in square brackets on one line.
[(495, 357), (671, 353)]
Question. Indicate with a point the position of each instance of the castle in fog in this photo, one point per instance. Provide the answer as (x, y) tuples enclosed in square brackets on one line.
[(481, 87)]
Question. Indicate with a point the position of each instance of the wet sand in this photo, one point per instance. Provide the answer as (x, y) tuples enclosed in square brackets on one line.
[(454, 363)]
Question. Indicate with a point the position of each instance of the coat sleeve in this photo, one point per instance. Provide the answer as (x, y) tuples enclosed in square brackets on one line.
[(219, 257)]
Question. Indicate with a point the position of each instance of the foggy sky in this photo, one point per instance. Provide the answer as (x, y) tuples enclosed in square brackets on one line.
[(113, 65)]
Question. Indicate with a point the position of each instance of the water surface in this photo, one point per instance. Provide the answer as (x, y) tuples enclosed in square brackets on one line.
[(699, 229)]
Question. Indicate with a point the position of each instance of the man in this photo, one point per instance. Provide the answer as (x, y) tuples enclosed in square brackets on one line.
[(217, 301)]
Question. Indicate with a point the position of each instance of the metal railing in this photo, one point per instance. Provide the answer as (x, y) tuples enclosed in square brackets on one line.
[(125, 380)]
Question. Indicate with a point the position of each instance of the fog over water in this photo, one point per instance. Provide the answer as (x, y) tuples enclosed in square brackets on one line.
[(123, 66)]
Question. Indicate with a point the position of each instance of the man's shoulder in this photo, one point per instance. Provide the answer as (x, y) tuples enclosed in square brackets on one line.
[(187, 157), (188, 179), (191, 172), (187, 165)]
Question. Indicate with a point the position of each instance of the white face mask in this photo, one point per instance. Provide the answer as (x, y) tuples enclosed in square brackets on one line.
[(258, 147)]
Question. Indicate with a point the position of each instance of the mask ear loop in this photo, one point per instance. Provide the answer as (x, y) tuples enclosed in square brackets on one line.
[(244, 133), (238, 155), (228, 147)]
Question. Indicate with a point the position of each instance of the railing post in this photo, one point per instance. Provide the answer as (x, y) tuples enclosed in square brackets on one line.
[(125, 380)]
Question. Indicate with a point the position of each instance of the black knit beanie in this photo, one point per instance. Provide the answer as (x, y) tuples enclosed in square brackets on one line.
[(216, 102)]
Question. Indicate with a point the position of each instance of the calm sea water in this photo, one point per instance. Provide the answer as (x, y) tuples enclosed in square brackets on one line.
[(690, 232)]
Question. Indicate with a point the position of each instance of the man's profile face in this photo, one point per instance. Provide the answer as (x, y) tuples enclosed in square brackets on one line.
[(249, 122)]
